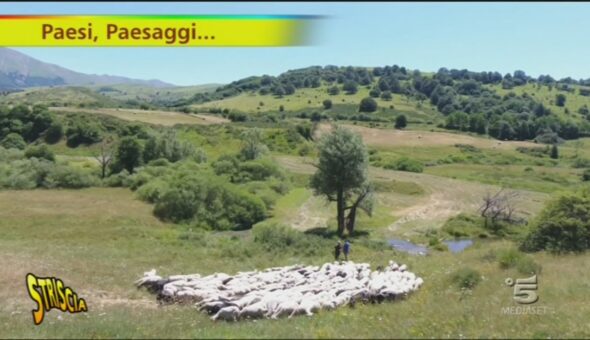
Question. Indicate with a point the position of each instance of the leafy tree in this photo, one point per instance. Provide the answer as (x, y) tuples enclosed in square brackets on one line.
[(458, 121), (342, 170), (315, 117), (54, 133), (167, 146), (289, 89), (386, 95), (350, 87), (501, 130), (128, 155), (477, 123), (368, 104), (81, 132), (563, 225), (334, 90), (560, 99), (375, 92), (401, 122), (278, 91), (13, 140), (252, 146), (554, 152), (327, 104)]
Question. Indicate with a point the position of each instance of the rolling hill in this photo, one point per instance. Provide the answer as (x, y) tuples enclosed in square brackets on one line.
[(18, 71)]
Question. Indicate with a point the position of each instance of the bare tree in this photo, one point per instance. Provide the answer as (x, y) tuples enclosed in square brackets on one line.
[(498, 207), (105, 157)]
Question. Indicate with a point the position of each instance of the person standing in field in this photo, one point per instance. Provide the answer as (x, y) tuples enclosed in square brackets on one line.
[(346, 250), (337, 250)]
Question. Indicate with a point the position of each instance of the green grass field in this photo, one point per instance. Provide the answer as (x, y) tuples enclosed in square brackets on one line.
[(109, 239), (100, 240)]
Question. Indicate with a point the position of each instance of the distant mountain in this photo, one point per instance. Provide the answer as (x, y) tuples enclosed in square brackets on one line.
[(18, 71)]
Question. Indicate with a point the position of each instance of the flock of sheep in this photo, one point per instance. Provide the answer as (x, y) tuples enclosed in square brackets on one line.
[(284, 291)]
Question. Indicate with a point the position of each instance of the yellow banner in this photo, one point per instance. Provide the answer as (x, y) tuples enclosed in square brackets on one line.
[(155, 30)]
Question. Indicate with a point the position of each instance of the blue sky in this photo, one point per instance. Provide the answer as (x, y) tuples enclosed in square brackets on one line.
[(539, 38)]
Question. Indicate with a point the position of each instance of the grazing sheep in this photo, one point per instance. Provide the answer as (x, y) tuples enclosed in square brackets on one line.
[(230, 313), (254, 311), (284, 291)]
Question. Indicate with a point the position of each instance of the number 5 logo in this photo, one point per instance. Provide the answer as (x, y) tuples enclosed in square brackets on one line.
[(525, 290)]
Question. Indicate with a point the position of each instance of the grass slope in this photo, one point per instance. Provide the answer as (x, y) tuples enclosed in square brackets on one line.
[(109, 239)]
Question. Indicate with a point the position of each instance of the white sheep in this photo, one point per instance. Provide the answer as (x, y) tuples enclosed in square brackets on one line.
[(230, 313), (284, 291)]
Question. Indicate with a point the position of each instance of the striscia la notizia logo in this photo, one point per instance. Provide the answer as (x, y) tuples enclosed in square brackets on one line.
[(50, 293)]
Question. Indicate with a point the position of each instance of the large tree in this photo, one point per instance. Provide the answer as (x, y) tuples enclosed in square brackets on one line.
[(252, 146), (341, 175), (128, 154)]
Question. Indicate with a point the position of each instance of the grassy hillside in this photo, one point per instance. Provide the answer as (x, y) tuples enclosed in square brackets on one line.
[(61, 96), (546, 94), (125, 240), (151, 95), (107, 96), (201, 184), (311, 100)]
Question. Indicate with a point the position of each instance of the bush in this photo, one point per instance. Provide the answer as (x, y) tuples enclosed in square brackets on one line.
[(406, 164), (508, 258), (464, 225), (81, 132), (209, 202), (41, 152), (563, 225), (68, 177), (368, 104), (167, 146), (275, 237), (13, 141), (466, 278), (401, 122), (512, 258), (579, 163), (23, 173), (120, 179), (258, 170), (586, 175), (54, 133), (528, 266)]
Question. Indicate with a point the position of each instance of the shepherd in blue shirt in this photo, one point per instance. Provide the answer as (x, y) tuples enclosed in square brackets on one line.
[(346, 250)]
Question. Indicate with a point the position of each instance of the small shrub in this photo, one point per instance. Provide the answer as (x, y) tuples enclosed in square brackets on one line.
[(68, 177), (280, 238), (152, 191), (508, 258), (527, 265), (41, 152), (466, 278), (406, 164), (13, 141)]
